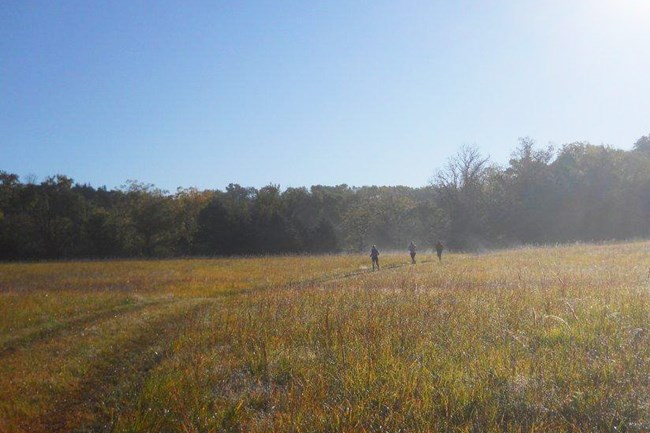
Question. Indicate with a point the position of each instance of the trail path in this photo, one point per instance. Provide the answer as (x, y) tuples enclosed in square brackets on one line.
[(325, 279), (101, 384), (72, 325)]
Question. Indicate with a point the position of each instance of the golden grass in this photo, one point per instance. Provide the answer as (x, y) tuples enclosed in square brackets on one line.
[(45, 296), (535, 339)]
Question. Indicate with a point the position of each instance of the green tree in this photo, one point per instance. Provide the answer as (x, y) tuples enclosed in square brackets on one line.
[(643, 144), (461, 194), (528, 194), (150, 214), (357, 221)]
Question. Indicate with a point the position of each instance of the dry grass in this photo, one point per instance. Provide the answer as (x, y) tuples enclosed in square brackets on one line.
[(38, 298), (547, 339)]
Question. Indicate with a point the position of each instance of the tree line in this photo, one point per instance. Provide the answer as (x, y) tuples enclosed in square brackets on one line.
[(579, 192)]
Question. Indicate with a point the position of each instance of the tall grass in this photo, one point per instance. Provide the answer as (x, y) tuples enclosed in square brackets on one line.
[(546, 339)]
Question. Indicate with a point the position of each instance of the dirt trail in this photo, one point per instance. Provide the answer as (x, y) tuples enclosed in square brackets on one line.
[(115, 376), (74, 324), (320, 280), (114, 380)]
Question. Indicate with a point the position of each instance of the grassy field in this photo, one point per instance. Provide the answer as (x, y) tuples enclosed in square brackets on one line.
[(539, 339)]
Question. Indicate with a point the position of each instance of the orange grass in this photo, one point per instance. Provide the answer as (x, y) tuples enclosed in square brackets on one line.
[(37, 296), (535, 339)]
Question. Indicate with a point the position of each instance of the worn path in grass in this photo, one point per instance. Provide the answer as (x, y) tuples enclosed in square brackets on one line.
[(322, 280), (24, 338), (79, 373), (73, 325), (533, 340), (112, 383), (75, 381)]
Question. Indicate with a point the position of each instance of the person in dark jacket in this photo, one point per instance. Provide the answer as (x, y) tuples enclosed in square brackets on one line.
[(374, 255), (413, 250), (439, 248)]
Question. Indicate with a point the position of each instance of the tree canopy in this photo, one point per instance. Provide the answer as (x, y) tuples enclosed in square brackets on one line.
[(580, 191)]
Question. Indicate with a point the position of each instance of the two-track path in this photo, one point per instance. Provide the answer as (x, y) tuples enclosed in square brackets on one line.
[(81, 373)]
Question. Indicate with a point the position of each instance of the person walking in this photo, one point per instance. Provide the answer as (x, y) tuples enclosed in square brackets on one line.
[(412, 249), (374, 255), (439, 248)]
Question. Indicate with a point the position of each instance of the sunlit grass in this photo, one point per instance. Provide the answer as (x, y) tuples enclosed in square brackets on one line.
[(46, 295), (534, 339)]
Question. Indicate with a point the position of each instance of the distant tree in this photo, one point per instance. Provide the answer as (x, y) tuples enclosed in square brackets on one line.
[(528, 195), (429, 223), (186, 206), (590, 180), (59, 212), (102, 233), (643, 144), (239, 203), (9, 214), (461, 194), (357, 221), (581, 192), (150, 214), (322, 238), (392, 212), (215, 233), (273, 233)]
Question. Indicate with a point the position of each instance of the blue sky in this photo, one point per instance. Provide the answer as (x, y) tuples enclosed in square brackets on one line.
[(300, 93)]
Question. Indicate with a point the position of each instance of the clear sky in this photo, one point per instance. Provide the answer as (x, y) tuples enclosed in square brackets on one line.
[(310, 92)]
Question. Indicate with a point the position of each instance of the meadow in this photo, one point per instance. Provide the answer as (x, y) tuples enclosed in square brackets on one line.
[(525, 340)]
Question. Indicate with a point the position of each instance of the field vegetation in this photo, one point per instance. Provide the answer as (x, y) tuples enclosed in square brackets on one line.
[(523, 340)]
